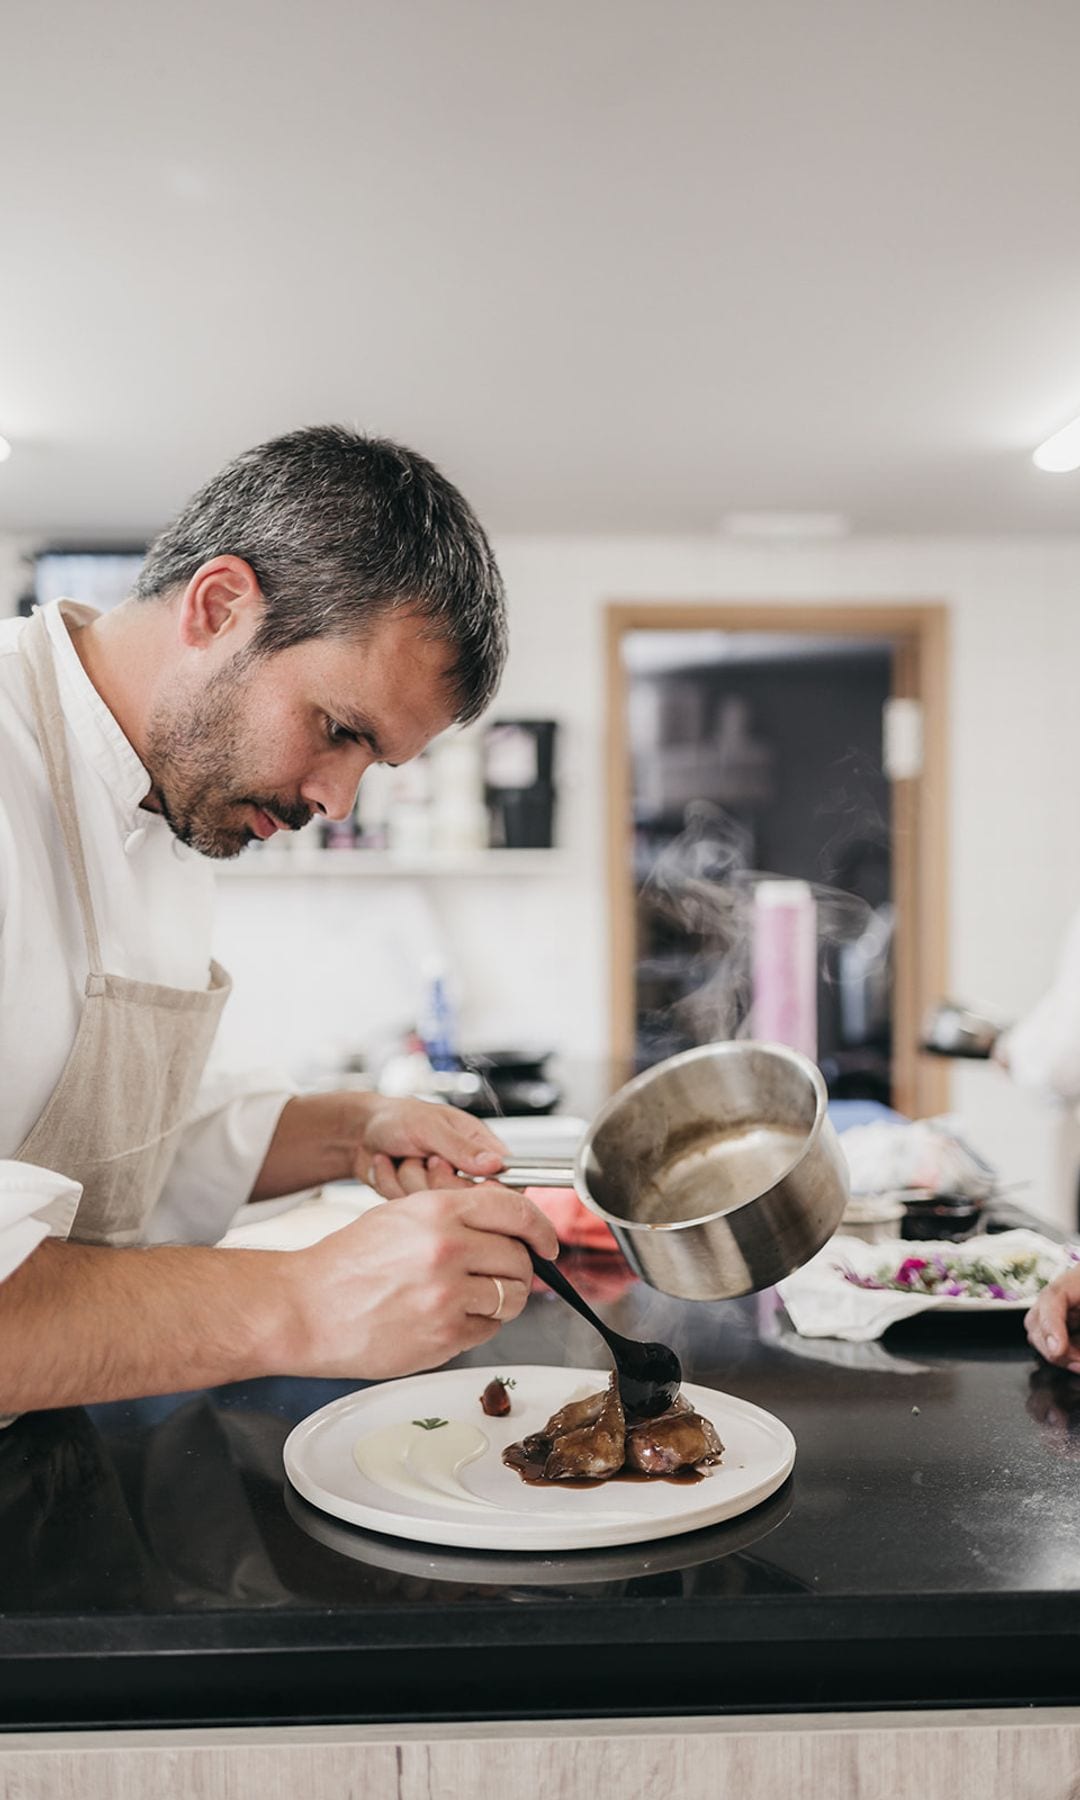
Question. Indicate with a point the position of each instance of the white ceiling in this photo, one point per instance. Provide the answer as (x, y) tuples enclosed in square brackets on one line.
[(620, 266)]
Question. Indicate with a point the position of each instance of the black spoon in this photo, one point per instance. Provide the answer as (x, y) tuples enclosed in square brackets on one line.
[(649, 1375)]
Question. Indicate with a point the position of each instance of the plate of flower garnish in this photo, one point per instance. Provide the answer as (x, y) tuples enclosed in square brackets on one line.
[(978, 1276), (855, 1290), (534, 1458)]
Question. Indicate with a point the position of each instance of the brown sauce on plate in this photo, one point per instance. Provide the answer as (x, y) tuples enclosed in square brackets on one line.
[(533, 1474)]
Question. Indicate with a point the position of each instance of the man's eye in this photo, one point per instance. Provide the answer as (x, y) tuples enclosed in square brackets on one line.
[(340, 734)]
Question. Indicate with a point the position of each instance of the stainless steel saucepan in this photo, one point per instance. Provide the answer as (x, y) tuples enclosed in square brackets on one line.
[(718, 1170)]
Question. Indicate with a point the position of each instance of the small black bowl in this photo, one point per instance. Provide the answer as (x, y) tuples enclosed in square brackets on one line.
[(941, 1216)]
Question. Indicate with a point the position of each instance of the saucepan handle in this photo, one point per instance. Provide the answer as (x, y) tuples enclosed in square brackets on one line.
[(542, 1171)]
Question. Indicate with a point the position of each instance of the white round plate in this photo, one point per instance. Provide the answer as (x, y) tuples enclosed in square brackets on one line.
[(542, 1568), (497, 1510)]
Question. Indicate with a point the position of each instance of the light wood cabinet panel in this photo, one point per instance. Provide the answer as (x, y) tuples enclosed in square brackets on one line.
[(998, 1755)]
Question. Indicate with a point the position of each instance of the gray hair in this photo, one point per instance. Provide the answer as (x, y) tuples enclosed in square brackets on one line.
[(341, 529)]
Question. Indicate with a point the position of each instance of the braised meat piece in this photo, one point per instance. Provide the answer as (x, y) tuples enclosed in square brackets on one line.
[(679, 1439), (594, 1448), (590, 1439), (575, 1415), (534, 1451), (583, 1439)]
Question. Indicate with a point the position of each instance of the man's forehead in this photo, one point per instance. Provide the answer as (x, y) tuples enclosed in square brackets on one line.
[(395, 677), (400, 635)]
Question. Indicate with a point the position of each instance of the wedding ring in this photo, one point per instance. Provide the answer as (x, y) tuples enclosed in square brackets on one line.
[(500, 1298)]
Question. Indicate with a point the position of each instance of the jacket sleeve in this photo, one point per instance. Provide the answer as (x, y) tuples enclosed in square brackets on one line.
[(1043, 1049), (222, 1149), (35, 1203)]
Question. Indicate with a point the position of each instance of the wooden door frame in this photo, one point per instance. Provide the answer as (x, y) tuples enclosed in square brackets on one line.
[(919, 632)]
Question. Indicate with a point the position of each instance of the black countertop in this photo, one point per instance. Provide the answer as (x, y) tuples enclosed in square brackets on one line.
[(926, 1550)]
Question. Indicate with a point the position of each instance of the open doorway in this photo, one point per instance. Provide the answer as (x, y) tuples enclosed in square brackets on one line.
[(800, 743)]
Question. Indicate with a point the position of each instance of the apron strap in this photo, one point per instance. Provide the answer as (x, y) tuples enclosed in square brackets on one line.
[(36, 653)]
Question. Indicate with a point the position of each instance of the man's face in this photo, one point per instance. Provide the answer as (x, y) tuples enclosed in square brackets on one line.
[(267, 742)]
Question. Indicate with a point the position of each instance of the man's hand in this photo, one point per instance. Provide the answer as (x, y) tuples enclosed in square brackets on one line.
[(403, 1288), (399, 1146), (1053, 1319), (409, 1145), (410, 1285)]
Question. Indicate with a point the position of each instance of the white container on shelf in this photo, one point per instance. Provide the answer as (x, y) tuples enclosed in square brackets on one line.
[(459, 816), (373, 803), (408, 819)]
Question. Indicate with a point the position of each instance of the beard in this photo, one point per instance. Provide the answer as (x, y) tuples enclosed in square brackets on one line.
[(195, 755)]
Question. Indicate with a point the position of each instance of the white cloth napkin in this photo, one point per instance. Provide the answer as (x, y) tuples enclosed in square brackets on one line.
[(917, 1155), (306, 1221), (821, 1303), (33, 1203)]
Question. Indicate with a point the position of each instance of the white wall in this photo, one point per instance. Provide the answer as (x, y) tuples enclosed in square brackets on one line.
[(318, 967), (14, 575)]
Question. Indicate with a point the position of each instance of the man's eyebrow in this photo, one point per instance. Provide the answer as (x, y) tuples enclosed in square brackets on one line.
[(362, 727)]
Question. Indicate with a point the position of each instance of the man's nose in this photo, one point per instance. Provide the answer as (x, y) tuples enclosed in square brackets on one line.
[(332, 792)]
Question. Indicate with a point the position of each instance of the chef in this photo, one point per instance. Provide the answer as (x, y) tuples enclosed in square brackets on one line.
[(325, 602)]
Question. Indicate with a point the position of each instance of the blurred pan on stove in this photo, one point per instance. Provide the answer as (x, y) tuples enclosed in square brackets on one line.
[(951, 1029)]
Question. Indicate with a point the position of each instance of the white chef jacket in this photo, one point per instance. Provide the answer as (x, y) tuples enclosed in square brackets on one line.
[(153, 899), (1043, 1048)]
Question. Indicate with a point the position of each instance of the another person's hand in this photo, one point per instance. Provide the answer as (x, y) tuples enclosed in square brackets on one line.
[(410, 1145), (409, 1286), (1054, 1318)]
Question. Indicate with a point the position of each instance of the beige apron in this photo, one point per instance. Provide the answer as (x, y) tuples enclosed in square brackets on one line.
[(115, 1117)]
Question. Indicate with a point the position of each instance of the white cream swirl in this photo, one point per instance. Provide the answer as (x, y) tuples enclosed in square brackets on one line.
[(424, 1464)]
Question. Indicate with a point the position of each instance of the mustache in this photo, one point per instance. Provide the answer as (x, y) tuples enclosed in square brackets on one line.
[(292, 813)]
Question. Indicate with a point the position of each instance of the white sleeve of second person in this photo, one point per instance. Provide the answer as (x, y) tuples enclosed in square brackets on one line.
[(34, 1204), (1043, 1049), (223, 1148)]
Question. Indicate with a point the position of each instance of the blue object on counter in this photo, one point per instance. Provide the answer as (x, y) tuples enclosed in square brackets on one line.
[(847, 1113), (438, 1030)]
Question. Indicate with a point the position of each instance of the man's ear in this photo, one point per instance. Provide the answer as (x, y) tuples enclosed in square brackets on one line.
[(221, 605)]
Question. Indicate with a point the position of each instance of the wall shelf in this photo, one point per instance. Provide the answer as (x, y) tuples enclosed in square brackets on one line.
[(318, 865)]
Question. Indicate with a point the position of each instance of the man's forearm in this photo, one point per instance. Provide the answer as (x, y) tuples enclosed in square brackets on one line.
[(80, 1323), (317, 1139)]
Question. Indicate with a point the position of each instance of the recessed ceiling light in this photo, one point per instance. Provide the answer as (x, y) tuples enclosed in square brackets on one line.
[(5, 449), (1061, 452), (786, 527)]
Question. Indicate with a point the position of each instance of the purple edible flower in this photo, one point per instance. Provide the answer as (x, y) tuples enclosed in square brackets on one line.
[(996, 1291), (860, 1281)]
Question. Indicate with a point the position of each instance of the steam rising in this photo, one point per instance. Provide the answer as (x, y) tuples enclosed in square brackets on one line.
[(703, 885)]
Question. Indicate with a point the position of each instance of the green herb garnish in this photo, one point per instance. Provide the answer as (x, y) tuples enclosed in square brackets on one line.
[(430, 1424), (506, 1380)]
